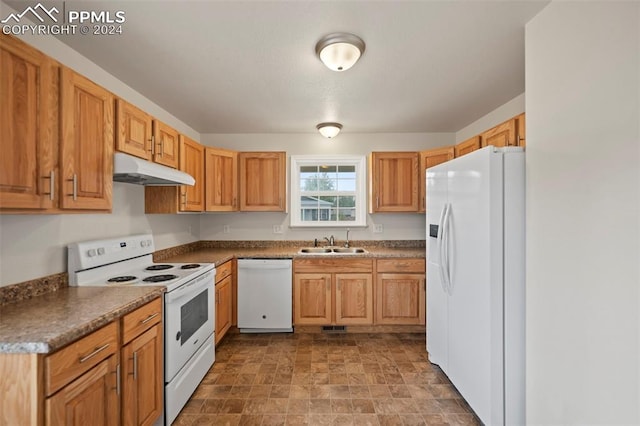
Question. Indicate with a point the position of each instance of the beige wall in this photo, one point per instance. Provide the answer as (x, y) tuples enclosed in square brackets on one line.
[(583, 214), (504, 112)]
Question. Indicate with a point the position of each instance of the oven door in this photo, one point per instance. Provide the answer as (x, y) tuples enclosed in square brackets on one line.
[(189, 321)]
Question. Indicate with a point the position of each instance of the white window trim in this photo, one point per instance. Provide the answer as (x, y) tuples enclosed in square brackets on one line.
[(360, 163)]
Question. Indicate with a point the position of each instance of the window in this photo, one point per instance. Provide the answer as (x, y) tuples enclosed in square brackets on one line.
[(328, 191)]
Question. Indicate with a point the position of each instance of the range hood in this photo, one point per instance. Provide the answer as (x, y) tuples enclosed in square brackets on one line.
[(130, 169)]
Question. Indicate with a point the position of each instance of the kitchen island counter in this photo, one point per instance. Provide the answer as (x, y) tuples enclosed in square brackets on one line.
[(46, 323)]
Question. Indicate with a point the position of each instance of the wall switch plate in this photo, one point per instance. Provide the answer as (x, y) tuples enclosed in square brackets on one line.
[(378, 228), (226, 229), (277, 229)]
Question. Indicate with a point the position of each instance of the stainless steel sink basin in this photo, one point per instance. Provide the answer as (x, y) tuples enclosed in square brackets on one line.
[(332, 250), (349, 250), (315, 250)]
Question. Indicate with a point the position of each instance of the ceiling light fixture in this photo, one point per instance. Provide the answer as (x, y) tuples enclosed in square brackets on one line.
[(340, 51), (329, 130)]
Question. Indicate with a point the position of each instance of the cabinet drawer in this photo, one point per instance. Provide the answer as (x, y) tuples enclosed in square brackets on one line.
[(140, 320), (333, 265), (401, 265), (224, 270), (69, 363)]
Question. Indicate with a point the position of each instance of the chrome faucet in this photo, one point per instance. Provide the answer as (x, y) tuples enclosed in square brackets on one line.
[(346, 243), (331, 241)]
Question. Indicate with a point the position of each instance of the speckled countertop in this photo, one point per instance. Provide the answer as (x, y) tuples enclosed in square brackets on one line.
[(48, 322), (221, 255)]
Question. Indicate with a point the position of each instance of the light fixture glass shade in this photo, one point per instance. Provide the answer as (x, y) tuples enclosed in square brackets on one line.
[(329, 130), (340, 51)]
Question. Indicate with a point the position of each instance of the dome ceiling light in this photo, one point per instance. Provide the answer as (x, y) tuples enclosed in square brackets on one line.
[(329, 130), (340, 51)]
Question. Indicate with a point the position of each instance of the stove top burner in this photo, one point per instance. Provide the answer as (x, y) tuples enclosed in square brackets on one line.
[(191, 266), (122, 279), (159, 278), (158, 267)]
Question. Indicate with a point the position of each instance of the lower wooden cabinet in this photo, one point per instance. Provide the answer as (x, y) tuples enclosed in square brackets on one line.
[(111, 376), (224, 299), (333, 291), (142, 381), (400, 292)]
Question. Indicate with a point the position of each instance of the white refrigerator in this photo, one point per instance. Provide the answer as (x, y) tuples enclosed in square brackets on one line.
[(475, 279)]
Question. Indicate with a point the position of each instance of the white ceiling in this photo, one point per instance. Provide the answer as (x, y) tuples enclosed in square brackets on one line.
[(250, 66)]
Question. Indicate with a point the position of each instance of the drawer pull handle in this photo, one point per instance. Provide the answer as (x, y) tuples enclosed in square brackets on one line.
[(94, 353), (149, 318)]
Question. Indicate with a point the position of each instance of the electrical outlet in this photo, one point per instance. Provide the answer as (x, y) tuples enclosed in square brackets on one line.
[(378, 228), (277, 229), (226, 229)]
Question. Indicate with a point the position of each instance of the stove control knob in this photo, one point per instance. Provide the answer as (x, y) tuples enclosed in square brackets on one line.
[(101, 251), (91, 252)]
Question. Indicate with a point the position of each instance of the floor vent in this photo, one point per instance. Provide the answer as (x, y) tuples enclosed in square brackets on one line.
[(334, 329)]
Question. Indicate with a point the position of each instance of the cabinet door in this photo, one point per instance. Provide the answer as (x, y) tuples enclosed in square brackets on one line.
[(142, 377), (134, 130), (28, 120), (86, 145), (92, 399), (262, 181), (312, 299), (431, 158), (467, 146), (400, 299), (394, 182), (192, 162), (223, 307), (521, 137), (221, 180), (167, 144), (354, 299), (501, 135)]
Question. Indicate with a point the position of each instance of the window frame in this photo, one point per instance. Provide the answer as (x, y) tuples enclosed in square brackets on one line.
[(360, 164)]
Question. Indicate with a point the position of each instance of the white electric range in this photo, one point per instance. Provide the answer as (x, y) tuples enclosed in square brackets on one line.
[(189, 304)]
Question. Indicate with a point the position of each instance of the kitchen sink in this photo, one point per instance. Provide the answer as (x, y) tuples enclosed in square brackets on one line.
[(315, 250), (332, 250)]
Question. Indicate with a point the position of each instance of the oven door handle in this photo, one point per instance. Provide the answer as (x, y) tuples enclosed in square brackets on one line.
[(204, 281)]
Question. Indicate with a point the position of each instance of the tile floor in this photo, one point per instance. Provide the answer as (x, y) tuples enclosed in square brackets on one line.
[(325, 379)]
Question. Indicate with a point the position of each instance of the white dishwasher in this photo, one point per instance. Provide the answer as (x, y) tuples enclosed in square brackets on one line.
[(265, 295)]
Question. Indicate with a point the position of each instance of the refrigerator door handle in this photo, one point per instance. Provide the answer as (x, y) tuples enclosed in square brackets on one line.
[(440, 245), (451, 250), (445, 248)]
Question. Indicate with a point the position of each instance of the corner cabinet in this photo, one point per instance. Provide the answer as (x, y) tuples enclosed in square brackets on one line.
[(400, 291), (262, 181), (86, 145), (431, 158), (184, 198), (221, 187), (333, 291), (393, 182)]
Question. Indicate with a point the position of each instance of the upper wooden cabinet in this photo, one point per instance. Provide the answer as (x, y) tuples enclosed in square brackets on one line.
[(521, 136), (262, 181), (431, 158), (86, 145), (192, 162), (134, 130), (184, 198), (167, 148), (503, 134), (467, 146), (221, 187), (28, 119), (394, 182)]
